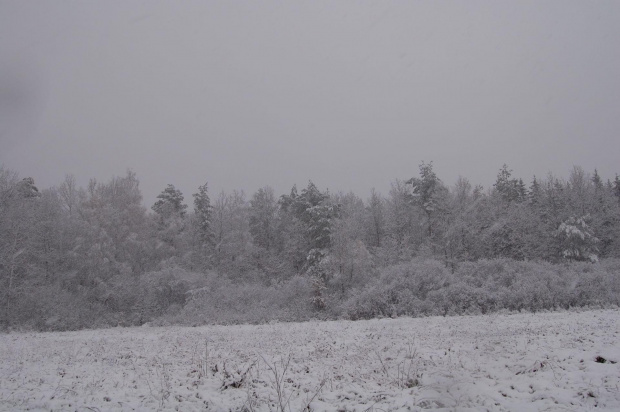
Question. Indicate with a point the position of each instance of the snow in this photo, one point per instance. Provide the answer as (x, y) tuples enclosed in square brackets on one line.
[(499, 362)]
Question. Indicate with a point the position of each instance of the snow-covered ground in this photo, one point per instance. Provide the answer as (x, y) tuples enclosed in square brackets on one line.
[(519, 362)]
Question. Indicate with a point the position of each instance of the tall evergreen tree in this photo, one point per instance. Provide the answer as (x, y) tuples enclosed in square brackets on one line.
[(171, 224), (596, 179), (312, 213), (203, 212), (522, 191), (511, 190), (616, 187), (429, 194), (27, 188), (535, 192), (170, 203)]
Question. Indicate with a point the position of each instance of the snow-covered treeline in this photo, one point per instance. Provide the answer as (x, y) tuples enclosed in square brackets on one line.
[(73, 257)]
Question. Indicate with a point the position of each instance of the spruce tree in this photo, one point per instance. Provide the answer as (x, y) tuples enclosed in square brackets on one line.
[(598, 182), (616, 187), (510, 190), (534, 194), (204, 215)]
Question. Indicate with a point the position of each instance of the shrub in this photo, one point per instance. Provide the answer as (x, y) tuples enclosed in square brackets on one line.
[(400, 290), (426, 287), (222, 301)]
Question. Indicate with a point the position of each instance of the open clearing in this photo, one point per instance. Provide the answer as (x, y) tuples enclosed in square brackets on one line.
[(517, 362)]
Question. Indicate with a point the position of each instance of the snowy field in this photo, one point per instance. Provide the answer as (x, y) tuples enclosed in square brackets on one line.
[(521, 362)]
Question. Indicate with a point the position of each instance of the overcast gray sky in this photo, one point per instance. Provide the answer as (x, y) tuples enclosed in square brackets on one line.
[(349, 94)]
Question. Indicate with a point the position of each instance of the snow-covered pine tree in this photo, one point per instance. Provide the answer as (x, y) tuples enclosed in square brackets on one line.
[(170, 202), (577, 239), (170, 215), (616, 187), (203, 212), (429, 194), (534, 193), (511, 190)]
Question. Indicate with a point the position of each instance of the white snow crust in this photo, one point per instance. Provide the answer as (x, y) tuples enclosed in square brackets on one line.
[(500, 362)]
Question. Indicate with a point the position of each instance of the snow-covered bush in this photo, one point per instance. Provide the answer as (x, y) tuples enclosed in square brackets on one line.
[(164, 288), (595, 284), (423, 288), (400, 290), (222, 301), (461, 298), (52, 308)]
